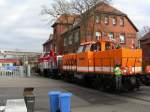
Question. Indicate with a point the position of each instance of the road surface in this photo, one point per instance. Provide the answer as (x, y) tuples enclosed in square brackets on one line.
[(83, 100)]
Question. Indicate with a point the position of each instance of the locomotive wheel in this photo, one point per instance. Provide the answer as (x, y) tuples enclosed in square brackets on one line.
[(69, 77), (87, 81), (97, 83), (130, 84)]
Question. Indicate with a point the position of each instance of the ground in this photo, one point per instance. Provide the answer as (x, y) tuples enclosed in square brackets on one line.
[(83, 99)]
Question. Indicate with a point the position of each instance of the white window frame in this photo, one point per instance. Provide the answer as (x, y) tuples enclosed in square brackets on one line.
[(114, 21), (106, 21), (111, 36), (97, 19), (98, 35), (122, 38), (121, 21)]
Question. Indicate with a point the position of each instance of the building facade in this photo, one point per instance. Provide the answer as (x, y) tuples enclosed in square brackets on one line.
[(145, 44), (48, 45), (102, 22), (63, 24)]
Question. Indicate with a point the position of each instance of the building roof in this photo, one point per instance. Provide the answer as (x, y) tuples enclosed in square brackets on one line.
[(146, 36), (66, 19), (49, 39), (9, 60), (103, 7), (71, 29)]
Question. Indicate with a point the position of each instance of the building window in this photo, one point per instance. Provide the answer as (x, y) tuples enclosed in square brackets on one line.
[(122, 38), (106, 20), (103, 34), (76, 37), (97, 19), (98, 35), (114, 21), (111, 36), (70, 39), (65, 41), (121, 21)]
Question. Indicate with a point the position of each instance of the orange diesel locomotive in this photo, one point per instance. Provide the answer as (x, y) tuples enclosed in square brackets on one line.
[(95, 62)]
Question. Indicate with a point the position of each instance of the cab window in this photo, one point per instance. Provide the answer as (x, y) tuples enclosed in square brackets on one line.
[(95, 47), (107, 46), (84, 48), (98, 47), (88, 47), (80, 49)]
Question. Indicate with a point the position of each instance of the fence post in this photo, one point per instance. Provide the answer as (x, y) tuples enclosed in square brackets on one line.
[(21, 71), (28, 71)]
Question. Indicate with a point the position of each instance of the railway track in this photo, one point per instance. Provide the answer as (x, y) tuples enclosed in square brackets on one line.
[(95, 96), (143, 94)]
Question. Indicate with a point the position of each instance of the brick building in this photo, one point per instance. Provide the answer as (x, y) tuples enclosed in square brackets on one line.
[(48, 45), (63, 24), (102, 21), (145, 44)]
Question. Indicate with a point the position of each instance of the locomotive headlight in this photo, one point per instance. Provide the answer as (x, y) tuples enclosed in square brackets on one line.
[(148, 69), (124, 70)]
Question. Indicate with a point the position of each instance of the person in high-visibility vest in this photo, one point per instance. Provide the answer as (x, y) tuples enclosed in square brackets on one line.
[(118, 76)]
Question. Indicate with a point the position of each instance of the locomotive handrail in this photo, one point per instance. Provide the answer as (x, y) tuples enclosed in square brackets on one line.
[(88, 65), (134, 65), (112, 62), (110, 65)]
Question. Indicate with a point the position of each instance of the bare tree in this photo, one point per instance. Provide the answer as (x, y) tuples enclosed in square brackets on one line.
[(144, 30), (70, 7), (83, 8)]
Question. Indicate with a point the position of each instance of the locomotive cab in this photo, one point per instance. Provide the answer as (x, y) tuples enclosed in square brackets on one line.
[(95, 46), (86, 52)]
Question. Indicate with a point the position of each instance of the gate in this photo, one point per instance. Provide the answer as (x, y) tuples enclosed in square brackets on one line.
[(12, 71)]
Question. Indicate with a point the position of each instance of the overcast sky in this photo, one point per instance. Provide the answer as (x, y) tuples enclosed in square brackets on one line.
[(23, 28)]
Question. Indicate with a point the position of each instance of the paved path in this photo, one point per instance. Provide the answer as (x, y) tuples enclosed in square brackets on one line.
[(83, 100)]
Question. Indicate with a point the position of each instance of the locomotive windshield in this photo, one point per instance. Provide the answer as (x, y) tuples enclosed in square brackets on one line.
[(95, 47), (88, 47), (80, 49)]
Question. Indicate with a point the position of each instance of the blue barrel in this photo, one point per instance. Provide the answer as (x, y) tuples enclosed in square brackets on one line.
[(65, 102), (54, 100)]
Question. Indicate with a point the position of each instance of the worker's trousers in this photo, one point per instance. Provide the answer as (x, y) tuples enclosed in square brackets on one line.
[(118, 82)]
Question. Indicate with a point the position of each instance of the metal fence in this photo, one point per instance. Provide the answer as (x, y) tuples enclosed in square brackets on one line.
[(14, 71)]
